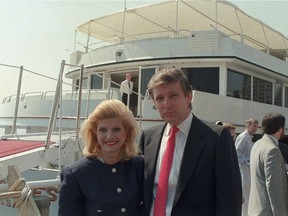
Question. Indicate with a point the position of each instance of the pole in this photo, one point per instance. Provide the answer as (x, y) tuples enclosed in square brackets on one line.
[(79, 102), (55, 105), (13, 131)]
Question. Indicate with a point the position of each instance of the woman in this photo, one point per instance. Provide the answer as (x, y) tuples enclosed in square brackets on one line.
[(108, 181)]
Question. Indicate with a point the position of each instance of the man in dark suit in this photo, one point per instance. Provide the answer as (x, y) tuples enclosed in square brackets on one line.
[(204, 178), (284, 151)]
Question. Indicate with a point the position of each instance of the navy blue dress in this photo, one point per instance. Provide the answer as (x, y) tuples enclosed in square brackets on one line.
[(90, 187)]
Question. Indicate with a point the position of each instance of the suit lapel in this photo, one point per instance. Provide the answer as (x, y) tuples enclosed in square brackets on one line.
[(191, 154), (151, 151), (151, 156)]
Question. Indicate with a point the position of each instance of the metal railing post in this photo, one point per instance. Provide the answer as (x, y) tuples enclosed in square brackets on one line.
[(79, 102), (55, 105), (13, 131)]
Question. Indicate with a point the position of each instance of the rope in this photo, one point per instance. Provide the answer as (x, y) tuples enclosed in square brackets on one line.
[(25, 193)]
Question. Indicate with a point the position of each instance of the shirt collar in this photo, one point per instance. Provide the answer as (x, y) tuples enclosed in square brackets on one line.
[(273, 138), (184, 126)]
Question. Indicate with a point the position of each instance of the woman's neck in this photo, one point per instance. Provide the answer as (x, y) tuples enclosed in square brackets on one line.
[(110, 159)]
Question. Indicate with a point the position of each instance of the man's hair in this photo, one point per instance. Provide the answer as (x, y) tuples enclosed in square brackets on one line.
[(169, 75), (251, 121), (272, 122)]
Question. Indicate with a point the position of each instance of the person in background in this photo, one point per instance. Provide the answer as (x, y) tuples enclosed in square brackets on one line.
[(284, 150), (109, 179), (204, 179), (244, 145), (269, 190), (126, 89), (232, 129)]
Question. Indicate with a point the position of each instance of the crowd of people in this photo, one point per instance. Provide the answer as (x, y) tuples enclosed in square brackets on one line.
[(184, 166)]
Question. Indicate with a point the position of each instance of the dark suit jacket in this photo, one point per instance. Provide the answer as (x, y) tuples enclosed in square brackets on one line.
[(284, 150), (209, 181), (90, 187)]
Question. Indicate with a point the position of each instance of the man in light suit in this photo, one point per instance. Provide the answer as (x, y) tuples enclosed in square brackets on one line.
[(204, 179), (268, 193), (126, 89)]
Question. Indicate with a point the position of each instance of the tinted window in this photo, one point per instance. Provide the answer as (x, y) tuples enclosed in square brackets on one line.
[(278, 94), (96, 82), (84, 83), (146, 75), (203, 79), (286, 96), (262, 91), (238, 85)]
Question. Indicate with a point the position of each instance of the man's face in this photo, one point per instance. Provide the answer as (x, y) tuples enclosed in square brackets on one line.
[(252, 129), (172, 104), (128, 77)]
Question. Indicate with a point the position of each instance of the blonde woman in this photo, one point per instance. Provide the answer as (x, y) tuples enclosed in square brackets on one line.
[(108, 180)]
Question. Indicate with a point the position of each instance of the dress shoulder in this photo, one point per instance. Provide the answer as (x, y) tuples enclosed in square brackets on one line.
[(138, 159), (138, 164)]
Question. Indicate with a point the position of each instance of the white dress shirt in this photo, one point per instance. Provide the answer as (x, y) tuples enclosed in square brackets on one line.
[(181, 138), (124, 88), (243, 146)]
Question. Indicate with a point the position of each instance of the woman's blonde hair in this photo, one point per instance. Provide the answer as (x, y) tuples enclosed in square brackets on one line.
[(105, 110)]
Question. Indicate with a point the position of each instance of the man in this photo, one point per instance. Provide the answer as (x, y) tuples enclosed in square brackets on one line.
[(284, 150), (268, 195), (126, 89), (204, 179), (244, 145)]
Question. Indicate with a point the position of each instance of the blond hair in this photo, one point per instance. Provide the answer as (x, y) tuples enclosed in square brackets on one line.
[(229, 126), (105, 110)]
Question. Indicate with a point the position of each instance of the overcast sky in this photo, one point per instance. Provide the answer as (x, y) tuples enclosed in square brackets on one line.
[(40, 34)]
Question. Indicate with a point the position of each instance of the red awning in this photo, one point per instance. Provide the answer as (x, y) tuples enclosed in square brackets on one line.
[(11, 147)]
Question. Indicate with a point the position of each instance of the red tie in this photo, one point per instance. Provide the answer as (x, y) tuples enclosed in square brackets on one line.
[(162, 188)]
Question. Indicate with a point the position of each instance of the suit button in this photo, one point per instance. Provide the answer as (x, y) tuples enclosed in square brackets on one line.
[(114, 170), (123, 210), (99, 210), (119, 190)]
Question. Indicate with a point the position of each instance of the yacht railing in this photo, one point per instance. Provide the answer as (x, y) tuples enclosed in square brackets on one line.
[(80, 95), (66, 95)]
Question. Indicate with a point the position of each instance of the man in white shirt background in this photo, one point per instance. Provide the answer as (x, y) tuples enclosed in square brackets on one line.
[(244, 145), (126, 89)]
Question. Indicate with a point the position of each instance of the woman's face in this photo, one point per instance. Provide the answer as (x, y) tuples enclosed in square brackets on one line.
[(111, 136)]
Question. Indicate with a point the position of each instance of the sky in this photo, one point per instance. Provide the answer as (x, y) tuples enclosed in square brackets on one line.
[(39, 34)]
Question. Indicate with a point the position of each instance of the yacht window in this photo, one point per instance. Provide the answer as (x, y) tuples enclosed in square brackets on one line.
[(84, 83), (262, 91), (203, 79), (238, 85), (286, 96), (96, 82), (146, 74), (278, 94)]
